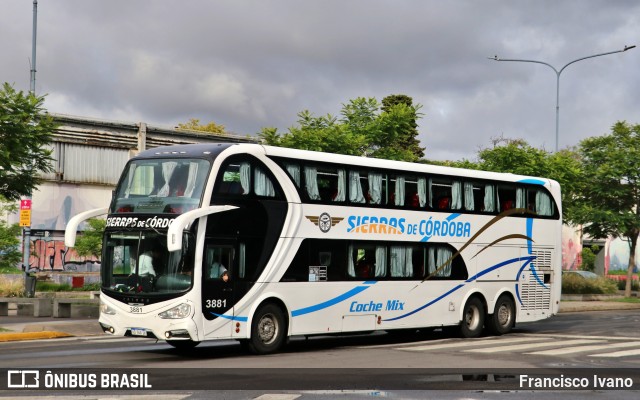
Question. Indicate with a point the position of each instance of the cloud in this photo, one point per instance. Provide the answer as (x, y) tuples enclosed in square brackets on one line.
[(252, 64)]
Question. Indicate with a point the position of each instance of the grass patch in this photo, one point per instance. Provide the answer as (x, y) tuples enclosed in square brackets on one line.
[(65, 287), (620, 272), (10, 270), (52, 287), (90, 287), (16, 288), (627, 300), (574, 284)]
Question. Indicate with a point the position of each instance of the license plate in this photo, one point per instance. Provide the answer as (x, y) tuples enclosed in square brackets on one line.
[(138, 332), (135, 309)]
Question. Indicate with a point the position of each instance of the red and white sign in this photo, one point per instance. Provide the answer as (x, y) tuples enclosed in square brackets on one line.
[(25, 204)]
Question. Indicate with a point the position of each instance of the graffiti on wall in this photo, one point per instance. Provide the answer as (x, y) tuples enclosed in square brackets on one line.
[(571, 248), (50, 254)]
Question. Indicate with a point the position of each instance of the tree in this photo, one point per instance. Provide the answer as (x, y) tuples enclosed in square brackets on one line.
[(609, 204), (362, 130), (25, 133), (10, 254), (409, 138), (518, 157), (90, 242), (211, 127)]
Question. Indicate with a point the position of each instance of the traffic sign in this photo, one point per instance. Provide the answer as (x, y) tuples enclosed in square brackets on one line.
[(25, 204), (25, 217)]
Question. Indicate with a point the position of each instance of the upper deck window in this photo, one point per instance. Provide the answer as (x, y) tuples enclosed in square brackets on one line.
[(161, 186), (246, 177)]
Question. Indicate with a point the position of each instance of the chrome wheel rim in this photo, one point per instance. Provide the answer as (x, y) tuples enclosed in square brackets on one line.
[(472, 318), (268, 328), (504, 315)]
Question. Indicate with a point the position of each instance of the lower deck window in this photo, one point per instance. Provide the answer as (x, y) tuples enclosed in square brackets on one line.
[(351, 260)]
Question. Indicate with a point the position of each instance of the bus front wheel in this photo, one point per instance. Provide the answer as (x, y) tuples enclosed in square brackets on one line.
[(504, 316), (472, 318), (268, 330)]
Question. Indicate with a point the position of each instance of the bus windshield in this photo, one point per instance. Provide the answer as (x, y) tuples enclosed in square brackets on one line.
[(138, 262), (161, 186)]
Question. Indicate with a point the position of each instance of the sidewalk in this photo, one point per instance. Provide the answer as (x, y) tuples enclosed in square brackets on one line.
[(31, 328)]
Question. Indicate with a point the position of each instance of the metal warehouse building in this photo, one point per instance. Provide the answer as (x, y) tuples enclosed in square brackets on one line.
[(89, 156)]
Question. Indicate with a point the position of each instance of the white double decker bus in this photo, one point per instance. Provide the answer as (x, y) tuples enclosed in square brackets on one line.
[(258, 243)]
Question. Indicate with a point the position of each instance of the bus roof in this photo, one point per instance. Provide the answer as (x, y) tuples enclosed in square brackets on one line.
[(212, 150)]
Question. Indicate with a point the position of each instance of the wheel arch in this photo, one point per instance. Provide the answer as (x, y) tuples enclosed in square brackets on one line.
[(477, 294), (506, 292), (272, 299)]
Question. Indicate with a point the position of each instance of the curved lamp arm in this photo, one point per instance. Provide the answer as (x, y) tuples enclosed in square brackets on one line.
[(72, 226), (174, 233)]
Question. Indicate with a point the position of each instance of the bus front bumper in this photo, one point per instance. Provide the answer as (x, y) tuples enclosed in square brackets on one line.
[(151, 327)]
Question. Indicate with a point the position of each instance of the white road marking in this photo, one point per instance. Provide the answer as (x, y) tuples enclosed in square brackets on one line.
[(527, 346), (582, 349)]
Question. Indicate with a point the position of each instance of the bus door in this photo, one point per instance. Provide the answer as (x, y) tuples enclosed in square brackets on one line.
[(217, 280)]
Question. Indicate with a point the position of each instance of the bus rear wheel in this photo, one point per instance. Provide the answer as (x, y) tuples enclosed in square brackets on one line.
[(472, 318), (504, 316), (268, 330)]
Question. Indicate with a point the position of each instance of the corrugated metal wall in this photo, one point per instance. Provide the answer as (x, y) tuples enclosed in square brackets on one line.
[(91, 151), (92, 164)]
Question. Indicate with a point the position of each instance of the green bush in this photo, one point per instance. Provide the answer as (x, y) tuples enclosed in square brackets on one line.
[(573, 284), (89, 287), (52, 287), (589, 255), (42, 286), (622, 283), (11, 289)]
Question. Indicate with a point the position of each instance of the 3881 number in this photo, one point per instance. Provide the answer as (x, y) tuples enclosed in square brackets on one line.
[(216, 303)]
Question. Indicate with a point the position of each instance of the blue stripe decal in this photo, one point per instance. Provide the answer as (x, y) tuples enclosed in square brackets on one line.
[(535, 275), (426, 305), (486, 271), (502, 264), (518, 280), (522, 268), (331, 302), (452, 217), (530, 234), (533, 181), (231, 317)]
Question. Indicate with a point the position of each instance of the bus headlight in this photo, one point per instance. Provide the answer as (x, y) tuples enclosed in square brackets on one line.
[(180, 311), (106, 309)]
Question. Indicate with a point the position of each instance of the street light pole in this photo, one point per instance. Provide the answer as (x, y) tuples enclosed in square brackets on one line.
[(558, 72)]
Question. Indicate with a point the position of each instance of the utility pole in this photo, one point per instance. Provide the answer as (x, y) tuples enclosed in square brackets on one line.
[(558, 72), (25, 204)]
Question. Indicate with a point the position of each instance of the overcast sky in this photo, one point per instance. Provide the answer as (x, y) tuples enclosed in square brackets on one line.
[(252, 64)]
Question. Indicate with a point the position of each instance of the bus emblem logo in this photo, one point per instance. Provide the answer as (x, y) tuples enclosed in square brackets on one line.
[(324, 221)]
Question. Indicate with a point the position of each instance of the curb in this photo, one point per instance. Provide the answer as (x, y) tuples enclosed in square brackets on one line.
[(589, 306), (12, 337)]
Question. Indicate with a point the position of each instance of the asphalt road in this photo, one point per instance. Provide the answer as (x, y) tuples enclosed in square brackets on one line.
[(594, 345)]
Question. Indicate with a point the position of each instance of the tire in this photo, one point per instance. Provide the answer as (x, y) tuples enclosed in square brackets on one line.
[(472, 318), (504, 316), (183, 344), (268, 330)]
